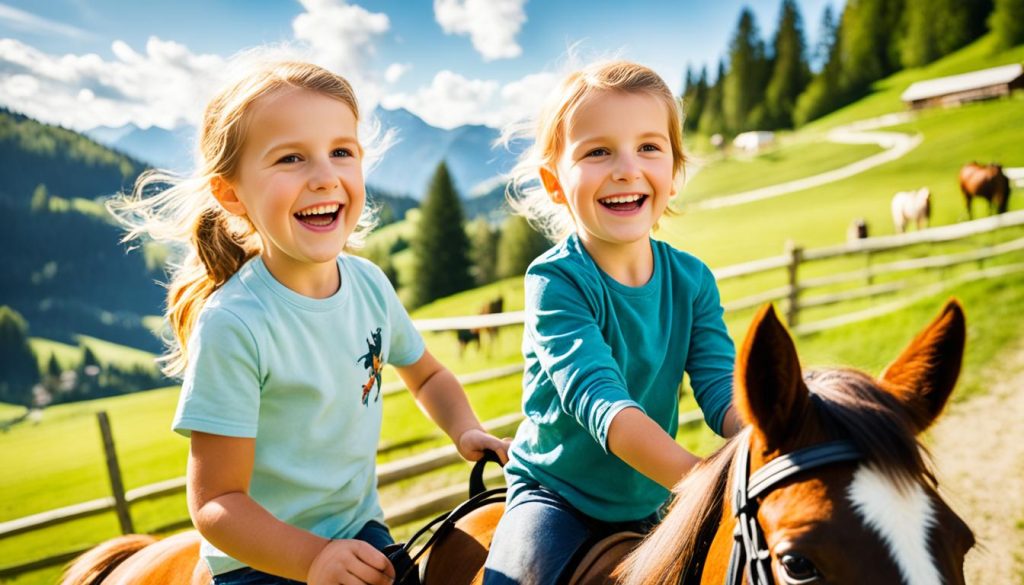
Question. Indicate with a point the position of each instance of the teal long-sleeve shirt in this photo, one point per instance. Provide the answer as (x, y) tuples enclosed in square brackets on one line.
[(592, 347)]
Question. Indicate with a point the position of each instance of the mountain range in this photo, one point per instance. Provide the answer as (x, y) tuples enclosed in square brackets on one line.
[(476, 165)]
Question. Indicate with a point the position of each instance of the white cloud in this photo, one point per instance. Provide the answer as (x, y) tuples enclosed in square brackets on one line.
[(341, 38), (166, 84), (395, 71), (492, 25), (452, 100), (27, 21), (163, 86), (342, 33)]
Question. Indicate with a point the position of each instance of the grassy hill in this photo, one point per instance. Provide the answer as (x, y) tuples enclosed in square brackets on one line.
[(58, 462), (885, 94), (69, 356)]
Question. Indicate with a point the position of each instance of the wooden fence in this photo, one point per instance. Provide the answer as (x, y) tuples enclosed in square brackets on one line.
[(793, 296)]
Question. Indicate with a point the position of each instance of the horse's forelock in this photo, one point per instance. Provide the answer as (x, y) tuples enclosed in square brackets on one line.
[(853, 407)]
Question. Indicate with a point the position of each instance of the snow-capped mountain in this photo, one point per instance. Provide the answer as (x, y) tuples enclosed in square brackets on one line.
[(474, 163)]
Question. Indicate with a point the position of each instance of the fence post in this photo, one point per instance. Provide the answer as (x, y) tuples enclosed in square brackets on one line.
[(867, 266), (114, 470), (795, 253)]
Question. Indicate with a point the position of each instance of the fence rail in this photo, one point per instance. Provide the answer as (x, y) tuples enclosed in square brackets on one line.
[(791, 294)]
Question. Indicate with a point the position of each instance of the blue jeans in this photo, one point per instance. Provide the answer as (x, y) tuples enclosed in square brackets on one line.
[(373, 532), (539, 535)]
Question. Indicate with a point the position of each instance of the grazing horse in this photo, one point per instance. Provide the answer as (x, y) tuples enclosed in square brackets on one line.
[(828, 484), (987, 182), (838, 489), (911, 206), (467, 336), (857, 230)]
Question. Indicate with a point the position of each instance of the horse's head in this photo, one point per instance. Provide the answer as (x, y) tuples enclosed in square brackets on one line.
[(878, 519), (871, 517)]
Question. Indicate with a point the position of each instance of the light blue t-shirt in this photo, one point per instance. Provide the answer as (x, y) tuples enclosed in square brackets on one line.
[(593, 347), (298, 375)]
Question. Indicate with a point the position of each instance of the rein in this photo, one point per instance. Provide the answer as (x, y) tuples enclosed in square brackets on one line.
[(400, 555), (749, 547)]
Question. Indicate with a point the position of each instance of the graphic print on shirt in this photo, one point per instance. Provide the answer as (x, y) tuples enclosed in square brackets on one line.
[(373, 362)]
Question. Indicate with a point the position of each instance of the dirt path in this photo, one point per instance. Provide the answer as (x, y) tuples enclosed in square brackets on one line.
[(978, 446), (896, 144)]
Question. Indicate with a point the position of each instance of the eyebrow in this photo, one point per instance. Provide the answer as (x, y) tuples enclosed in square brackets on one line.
[(599, 139), (298, 145)]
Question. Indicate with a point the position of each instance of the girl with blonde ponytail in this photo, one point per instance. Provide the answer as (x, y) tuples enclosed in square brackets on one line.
[(280, 337)]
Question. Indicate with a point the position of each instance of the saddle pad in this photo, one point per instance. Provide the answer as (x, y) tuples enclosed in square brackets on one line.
[(597, 565)]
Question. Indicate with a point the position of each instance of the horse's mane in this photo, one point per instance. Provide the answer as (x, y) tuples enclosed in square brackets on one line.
[(680, 543), (850, 405)]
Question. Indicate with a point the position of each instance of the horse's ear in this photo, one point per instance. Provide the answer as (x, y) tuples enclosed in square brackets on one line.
[(923, 376), (769, 389)]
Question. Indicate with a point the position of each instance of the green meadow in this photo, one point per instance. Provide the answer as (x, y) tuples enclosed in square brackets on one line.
[(58, 461)]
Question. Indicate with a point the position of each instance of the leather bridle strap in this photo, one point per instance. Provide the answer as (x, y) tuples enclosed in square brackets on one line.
[(749, 545)]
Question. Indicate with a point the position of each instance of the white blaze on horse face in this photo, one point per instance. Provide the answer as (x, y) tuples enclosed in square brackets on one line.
[(902, 515)]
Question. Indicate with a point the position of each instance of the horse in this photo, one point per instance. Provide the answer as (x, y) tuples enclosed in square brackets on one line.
[(857, 230), (467, 336), (987, 182), (911, 206), (827, 484)]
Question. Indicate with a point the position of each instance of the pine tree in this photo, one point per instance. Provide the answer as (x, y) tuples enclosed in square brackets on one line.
[(712, 121), (791, 73), (483, 251), (743, 91), (824, 93), (19, 368), (53, 366), (518, 245), (935, 28), (868, 45), (1007, 23), (694, 97), (440, 248)]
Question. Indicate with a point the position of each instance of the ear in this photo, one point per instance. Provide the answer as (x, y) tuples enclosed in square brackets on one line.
[(769, 390), (552, 185), (226, 195), (923, 376)]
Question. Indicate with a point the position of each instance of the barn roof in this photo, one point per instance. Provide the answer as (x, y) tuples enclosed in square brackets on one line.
[(965, 82)]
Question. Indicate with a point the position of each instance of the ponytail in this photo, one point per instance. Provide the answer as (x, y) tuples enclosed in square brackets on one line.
[(218, 252)]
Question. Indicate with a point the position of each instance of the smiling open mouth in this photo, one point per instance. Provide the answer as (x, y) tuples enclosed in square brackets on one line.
[(624, 202), (319, 216)]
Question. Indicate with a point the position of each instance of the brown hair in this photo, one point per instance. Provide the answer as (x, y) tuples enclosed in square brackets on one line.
[(549, 129), (183, 211)]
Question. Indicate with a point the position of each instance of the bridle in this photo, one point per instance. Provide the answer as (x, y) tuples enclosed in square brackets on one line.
[(749, 547)]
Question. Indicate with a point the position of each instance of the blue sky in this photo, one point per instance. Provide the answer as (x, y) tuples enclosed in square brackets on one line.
[(84, 63)]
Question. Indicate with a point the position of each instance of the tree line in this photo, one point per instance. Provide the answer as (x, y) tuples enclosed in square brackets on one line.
[(769, 86), (451, 254), (24, 382)]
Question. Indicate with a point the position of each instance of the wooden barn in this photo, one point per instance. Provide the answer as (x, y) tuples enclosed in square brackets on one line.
[(968, 87)]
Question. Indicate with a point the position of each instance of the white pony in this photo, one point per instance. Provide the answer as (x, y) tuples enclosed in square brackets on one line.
[(911, 206)]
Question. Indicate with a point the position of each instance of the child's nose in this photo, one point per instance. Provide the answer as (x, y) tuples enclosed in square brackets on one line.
[(323, 177), (626, 168)]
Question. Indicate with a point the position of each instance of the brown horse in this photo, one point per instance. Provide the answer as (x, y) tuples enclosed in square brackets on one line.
[(870, 515), (875, 518), (987, 182), (862, 510), (467, 336)]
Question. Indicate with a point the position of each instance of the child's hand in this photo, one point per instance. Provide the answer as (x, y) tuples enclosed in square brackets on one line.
[(350, 562), (474, 442)]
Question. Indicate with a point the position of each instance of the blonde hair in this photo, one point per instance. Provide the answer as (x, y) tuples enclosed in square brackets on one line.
[(183, 212), (525, 193)]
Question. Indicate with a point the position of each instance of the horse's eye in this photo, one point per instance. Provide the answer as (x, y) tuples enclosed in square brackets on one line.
[(799, 569)]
